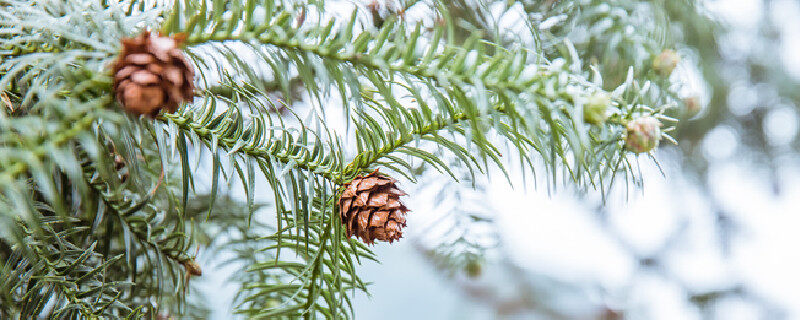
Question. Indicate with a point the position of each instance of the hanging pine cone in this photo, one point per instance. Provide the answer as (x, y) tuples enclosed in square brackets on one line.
[(370, 208), (152, 73)]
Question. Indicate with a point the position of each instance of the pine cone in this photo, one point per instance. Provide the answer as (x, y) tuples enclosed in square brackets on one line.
[(370, 208), (152, 73)]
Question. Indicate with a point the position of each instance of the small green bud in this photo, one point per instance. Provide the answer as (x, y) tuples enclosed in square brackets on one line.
[(692, 106), (473, 269), (594, 110), (665, 62), (642, 134)]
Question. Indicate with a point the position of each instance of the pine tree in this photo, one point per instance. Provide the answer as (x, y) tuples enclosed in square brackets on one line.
[(104, 141)]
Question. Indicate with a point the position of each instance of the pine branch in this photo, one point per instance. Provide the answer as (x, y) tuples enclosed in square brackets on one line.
[(41, 148), (51, 277), (429, 70), (364, 160), (124, 208), (255, 89), (225, 131), (444, 64), (461, 79)]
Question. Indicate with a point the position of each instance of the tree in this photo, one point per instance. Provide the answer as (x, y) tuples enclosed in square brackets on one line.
[(746, 92), (104, 200)]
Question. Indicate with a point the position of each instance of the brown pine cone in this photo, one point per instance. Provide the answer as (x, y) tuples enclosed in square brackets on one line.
[(371, 209), (152, 73)]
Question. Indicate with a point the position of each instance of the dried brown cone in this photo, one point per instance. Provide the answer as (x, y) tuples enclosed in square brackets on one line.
[(371, 209), (152, 73)]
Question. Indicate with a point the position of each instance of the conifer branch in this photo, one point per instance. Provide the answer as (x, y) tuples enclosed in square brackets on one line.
[(420, 71), (123, 208), (40, 149), (501, 73), (365, 159), (266, 150)]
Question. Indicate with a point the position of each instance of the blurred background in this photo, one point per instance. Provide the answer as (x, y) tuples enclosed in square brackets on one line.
[(711, 235)]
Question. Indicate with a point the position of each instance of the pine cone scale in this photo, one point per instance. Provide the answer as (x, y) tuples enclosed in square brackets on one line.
[(141, 98), (345, 206), (391, 204), (378, 218), (370, 183), (174, 75), (141, 59), (144, 77), (378, 200), (363, 219), (370, 208), (124, 73), (362, 199), (350, 191), (398, 216)]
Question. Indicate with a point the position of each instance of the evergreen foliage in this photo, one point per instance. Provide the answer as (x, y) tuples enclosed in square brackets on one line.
[(85, 236)]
